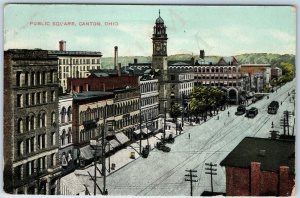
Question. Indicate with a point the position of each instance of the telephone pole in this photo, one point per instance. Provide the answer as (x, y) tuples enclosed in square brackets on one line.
[(191, 178), (211, 173)]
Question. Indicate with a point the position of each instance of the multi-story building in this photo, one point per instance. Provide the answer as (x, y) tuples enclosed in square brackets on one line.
[(74, 64), (66, 154), (91, 110), (150, 101), (31, 161), (258, 76)]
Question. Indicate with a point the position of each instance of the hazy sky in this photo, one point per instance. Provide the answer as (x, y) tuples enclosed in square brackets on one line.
[(219, 30)]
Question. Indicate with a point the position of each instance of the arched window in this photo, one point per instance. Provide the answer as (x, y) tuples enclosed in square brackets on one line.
[(63, 115), (69, 114), (27, 123), (32, 79), (32, 120), (69, 135), (62, 137)]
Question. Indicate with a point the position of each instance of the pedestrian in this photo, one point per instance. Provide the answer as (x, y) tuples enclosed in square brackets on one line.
[(228, 113), (281, 103), (169, 127), (189, 136), (218, 118)]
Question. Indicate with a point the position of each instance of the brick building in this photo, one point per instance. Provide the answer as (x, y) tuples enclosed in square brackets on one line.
[(260, 167), (74, 64), (31, 162), (101, 82)]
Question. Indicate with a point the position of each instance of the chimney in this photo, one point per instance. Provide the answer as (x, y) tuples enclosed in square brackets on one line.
[(62, 45), (116, 57), (255, 179), (284, 181), (135, 61), (119, 69), (202, 54)]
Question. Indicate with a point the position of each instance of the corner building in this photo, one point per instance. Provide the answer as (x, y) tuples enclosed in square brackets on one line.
[(31, 162)]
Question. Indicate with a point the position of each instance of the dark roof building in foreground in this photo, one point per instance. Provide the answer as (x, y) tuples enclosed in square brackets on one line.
[(259, 166)]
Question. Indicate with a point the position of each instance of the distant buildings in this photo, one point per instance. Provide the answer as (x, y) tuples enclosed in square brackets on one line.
[(260, 167), (31, 161), (74, 64)]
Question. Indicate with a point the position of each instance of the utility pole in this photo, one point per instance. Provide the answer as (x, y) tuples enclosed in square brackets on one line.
[(103, 158), (191, 178), (165, 119), (285, 122), (211, 173), (140, 124)]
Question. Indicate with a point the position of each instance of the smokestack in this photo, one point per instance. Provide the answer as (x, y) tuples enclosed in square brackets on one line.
[(202, 54), (119, 69), (62, 45), (116, 57)]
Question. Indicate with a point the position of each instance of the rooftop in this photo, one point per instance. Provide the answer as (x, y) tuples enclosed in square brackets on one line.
[(90, 94), (271, 153), (78, 53)]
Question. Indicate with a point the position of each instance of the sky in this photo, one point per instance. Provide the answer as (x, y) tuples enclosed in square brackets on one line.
[(219, 30)]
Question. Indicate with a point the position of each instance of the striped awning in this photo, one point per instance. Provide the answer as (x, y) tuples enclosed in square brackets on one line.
[(86, 152), (122, 138)]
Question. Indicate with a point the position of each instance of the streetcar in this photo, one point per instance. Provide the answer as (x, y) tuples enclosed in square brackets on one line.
[(273, 107), (251, 113)]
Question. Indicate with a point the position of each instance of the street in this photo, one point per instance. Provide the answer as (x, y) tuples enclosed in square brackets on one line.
[(163, 173)]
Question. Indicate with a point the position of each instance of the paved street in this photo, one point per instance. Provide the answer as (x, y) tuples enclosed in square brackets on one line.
[(163, 173)]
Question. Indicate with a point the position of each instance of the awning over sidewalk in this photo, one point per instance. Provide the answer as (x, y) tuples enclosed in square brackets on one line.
[(70, 185), (114, 143), (122, 138), (86, 152)]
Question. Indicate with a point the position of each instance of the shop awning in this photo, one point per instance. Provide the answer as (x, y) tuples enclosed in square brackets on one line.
[(114, 143), (86, 152), (122, 138), (70, 185)]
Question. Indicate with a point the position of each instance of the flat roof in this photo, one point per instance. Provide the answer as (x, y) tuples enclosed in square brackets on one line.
[(90, 94)]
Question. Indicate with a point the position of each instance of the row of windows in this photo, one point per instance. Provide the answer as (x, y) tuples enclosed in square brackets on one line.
[(149, 87), (78, 68), (131, 120), (217, 69), (34, 78), (79, 61), (217, 77), (185, 92), (149, 114), (34, 98), (186, 85), (127, 95), (30, 145), (222, 84), (86, 135), (64, 113), (33, 122), (32, 167), (96, 113), (149, 100)]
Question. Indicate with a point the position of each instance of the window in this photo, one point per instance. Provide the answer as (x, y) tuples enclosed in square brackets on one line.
[(52, 96), (53, 118), (62, 137), (172, 77), (52, 160), (18, 78), (69, 135), (69, 114), (42, 141), (53, 138), (30, 168), (43, 77), (63, 115), (30, 145), (44, 97), (19, 172), (26, 78), (32, 79), (32, 98), (32, 122), (20, 126), (19, 100), (38, 78), (38, 98), (20, 148)]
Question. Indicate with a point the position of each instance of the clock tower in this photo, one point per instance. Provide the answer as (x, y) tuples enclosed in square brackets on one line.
[(160, 61), (159, 41)]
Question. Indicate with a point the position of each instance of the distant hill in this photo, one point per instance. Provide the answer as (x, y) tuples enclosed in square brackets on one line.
[(256, 58)]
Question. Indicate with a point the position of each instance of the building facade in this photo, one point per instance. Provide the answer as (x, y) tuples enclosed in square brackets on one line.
[(31, 161), (260, 167), (65, 131), (74, 64)]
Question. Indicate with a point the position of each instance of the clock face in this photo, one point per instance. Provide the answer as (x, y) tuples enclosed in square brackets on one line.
[(157, 48)]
